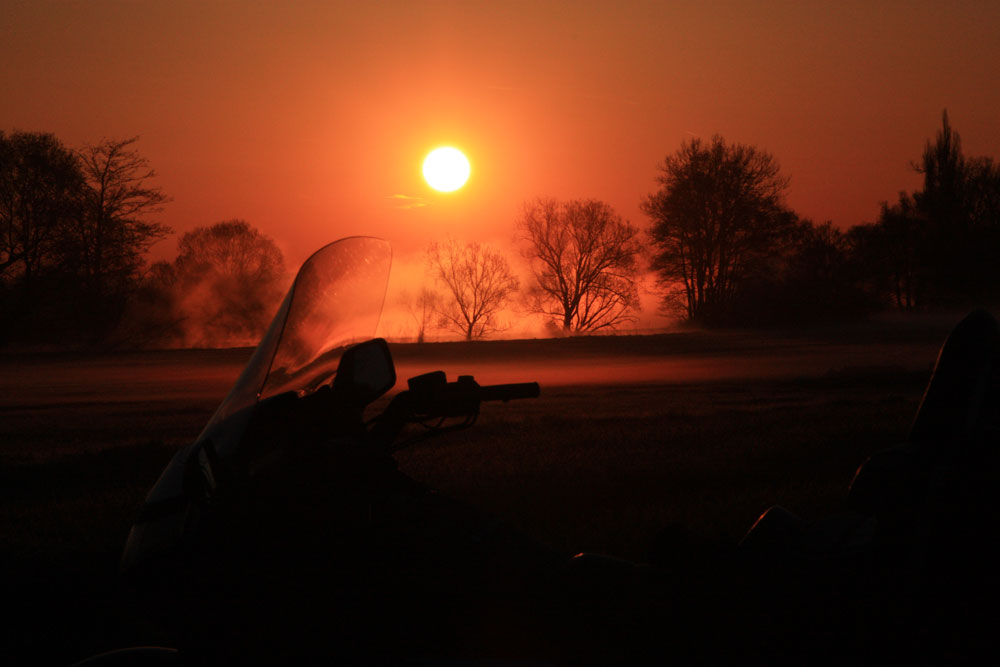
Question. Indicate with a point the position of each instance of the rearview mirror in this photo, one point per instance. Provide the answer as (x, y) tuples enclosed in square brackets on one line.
[(365, 372)]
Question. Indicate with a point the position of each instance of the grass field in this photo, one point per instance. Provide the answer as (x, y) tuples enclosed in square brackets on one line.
[(630, 434)]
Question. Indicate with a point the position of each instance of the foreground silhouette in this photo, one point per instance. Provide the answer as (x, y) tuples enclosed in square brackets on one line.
[(286, 532)]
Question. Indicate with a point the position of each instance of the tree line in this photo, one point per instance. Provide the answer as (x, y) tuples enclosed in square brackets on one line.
[(74, 231), (585, 267), (725, 249), (937, 246), (75, 226), (731, 252)]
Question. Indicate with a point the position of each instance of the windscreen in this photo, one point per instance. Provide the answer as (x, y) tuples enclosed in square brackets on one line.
[(335, 300)]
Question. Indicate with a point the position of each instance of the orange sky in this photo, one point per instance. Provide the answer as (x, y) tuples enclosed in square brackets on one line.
[(310, 121)]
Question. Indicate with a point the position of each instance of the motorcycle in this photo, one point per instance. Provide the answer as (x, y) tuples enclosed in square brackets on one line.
[(290, 499), (285, 532)]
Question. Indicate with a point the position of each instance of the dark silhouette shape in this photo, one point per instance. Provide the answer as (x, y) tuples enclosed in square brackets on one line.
[(718, 218), (813, 278), (112, 234), (936, 246), (915, 549), (73, 235), (956, 427), (40, 186), (295, 498), (889, 254)]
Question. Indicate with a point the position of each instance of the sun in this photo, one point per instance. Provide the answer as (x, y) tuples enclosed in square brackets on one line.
[(446, 169)]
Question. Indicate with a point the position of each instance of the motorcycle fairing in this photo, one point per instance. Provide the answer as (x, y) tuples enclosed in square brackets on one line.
[(335, 300)]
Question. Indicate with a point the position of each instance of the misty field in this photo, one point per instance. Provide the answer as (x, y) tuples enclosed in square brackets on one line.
[(630, 434)]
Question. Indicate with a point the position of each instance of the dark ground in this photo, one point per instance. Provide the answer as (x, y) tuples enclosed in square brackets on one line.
[(630, 434)]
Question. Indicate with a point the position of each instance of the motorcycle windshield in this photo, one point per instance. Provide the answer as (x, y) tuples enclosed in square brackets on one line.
[(335, 300)]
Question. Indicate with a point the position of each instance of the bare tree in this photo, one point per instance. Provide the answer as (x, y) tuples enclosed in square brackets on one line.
[(422, 308), (112, 233), (718, 219), (584, 260), (479, 281)]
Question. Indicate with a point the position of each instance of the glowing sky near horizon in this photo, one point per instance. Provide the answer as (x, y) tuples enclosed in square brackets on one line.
[(311, 119)]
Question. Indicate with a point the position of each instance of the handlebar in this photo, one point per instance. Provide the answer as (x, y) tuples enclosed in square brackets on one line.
[(507, 392), (432, 395), (431, 399)]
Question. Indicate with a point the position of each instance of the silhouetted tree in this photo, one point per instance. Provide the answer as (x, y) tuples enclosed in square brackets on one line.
[(813, 279), (227, 281), (718, 219), (72, 234), (584, 260), (422, 308), (943, 167), (153, 317), (40, 185), (890, 254), (821, 279), (479, 281), (938, 246), (112, 232), (983, 189), (943, 203)]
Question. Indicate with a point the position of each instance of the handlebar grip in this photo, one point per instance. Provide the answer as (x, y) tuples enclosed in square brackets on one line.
[(507, 392)]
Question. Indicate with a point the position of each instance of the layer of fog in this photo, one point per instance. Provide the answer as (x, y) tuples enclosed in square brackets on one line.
[(400, 318), (205, 377)]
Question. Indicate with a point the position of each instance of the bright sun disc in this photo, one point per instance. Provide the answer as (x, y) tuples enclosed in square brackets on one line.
[(446, 169)]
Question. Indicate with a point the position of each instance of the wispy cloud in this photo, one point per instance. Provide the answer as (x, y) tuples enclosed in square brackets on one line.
[(407, 202)]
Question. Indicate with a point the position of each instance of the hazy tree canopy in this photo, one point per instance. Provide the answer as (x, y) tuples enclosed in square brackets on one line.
[(479, 283), (231, 248), (718, 218), (584, 260), (40, 184), (227, 283), (112, 232)]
